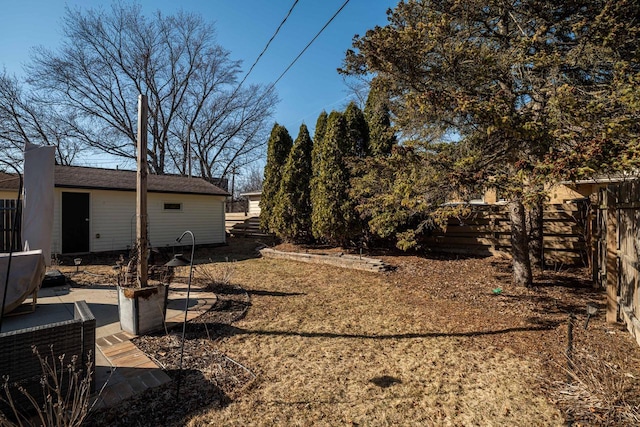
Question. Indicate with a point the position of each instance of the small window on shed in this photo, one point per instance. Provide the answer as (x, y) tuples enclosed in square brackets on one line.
[(172, 206)]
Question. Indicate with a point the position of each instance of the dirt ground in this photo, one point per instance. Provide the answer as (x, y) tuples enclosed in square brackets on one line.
[(436, 341)]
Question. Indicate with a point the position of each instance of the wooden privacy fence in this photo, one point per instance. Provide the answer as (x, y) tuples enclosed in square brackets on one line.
[(618, 243), (7, 212), (487, 231)]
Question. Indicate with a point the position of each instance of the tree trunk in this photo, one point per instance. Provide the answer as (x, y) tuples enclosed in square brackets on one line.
[(535, 233), (519, 245)]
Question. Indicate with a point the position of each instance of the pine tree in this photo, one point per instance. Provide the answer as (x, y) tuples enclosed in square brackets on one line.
[(378, 117), (292, 212), (357, 131), (316, 155), (278, 148), (321, 126), (533, 91), (330, 184), (356, 149)]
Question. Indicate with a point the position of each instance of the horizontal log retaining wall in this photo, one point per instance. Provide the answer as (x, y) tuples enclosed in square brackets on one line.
[(486, 231), (345, 261)]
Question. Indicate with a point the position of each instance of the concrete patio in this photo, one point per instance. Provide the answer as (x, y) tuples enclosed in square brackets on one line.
[(122, 370)]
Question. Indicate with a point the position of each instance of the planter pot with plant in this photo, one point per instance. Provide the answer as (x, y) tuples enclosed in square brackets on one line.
[(141, 309)]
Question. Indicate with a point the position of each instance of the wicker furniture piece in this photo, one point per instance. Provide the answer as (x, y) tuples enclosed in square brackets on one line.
[(18, 362)]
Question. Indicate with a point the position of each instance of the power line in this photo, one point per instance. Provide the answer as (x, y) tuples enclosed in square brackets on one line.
[(272, 85), (237, 88), (268, 43), (311, 42)]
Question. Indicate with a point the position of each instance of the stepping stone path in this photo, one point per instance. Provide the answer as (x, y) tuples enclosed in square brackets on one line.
[(129, 370)]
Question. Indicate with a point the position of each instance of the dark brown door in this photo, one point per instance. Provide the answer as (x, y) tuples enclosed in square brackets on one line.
[(75, 222)]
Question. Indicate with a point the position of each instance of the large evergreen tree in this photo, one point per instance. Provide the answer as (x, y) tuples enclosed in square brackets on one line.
[(278, 148), (316, 155), (292, 212), (402, 193), (356, 149), (321, 126), (508, 79), (378, 116), (318, 136), (357, 131), (330, 212)]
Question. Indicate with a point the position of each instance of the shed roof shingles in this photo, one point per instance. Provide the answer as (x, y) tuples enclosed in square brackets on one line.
[(122, 180)]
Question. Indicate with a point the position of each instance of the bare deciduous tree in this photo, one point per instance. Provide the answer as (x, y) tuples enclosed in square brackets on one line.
[(357, 89), (251, 180), (25, 118), (109, 57)]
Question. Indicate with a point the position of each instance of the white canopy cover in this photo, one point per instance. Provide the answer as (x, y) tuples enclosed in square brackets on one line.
[(27, 268), (25, 277), (37, 212)]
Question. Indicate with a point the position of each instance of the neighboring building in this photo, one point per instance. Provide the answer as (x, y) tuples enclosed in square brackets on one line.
[(95, 209), (588, 187), (9, 183), (254, 202), (562, 192)]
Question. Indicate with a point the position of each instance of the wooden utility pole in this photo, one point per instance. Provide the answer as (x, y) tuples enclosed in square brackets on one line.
[(141, 192), (189, 150), (233, 181)]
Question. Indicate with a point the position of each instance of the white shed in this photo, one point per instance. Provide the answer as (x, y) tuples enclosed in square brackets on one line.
[(94, 209), (254, 202)]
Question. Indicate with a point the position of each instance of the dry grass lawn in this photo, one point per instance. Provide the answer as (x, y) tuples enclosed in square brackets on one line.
[(429, 343), (339, 347)]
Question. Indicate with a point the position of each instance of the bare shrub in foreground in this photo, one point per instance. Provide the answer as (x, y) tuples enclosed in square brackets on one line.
[(215, 275), (597, 392), (61, 407)]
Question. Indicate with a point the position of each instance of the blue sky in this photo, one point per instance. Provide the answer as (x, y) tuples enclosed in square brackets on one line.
[(243, 27)]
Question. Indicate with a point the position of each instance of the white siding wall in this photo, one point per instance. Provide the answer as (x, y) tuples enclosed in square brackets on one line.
[(203, 215), (112, 217), (254, 205)]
